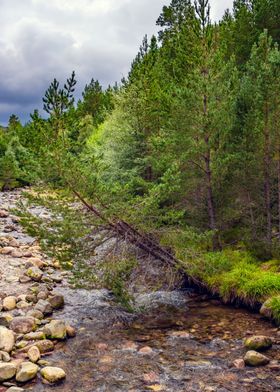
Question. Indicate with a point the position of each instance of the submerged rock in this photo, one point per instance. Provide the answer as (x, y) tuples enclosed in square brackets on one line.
[(53, 374), (258, 343), (253, 358)]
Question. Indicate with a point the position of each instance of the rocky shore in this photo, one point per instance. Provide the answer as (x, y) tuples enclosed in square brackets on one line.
[(29, 331)]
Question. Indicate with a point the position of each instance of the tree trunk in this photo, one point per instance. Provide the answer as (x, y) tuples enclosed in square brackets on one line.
[(278, 170), (267, 183)]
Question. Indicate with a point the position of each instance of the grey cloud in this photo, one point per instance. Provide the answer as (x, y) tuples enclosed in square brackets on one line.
[(41, 40)]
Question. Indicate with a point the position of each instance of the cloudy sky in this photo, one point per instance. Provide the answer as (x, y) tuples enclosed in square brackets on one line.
[(42, 39)]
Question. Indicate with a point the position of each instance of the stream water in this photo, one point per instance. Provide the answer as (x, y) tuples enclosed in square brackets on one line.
[(181, 342)]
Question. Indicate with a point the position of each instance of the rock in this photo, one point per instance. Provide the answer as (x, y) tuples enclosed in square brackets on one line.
[(56, 301), (7, 339), (12, 279), (15, 389), (258, 343), (45, 346), (23, 305), (70, 331), (3, 214), (53, 374), (35, 274), (43, 362), (9, 303), (5, 320), (26, 371), (36, 262), (31, 298), (266, 310), (253, 358), (57, 278), (24, 279), (44, 307), (239, 363), (7, 250), (7, 371), (17, 254), (39, 335), (56, 329), (22, 344), (42, 295), (146, 350), (34, 354), (36, 314), (23, 324), (4, 357)]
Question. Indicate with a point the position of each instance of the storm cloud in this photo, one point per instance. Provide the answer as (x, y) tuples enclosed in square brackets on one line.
[(41, 40)]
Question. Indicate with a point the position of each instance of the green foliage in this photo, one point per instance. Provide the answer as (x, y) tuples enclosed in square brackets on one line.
[(116, 273)]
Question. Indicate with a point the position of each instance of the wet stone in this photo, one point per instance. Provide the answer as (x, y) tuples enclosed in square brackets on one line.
[(26, 371), (253, 358), (53, 374)]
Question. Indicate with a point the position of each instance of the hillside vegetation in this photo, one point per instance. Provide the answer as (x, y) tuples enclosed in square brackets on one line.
[(186, 148)]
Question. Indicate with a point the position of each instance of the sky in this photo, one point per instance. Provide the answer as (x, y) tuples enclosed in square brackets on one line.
[(98, 39)]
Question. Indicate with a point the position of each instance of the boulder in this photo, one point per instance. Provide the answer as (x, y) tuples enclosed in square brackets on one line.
[(7, 371), (34, 354), (44, 307), (35, 274), (56, 301), (39, 335), (258, 343), (253, 358), (26, 371), (23, 324), (7, 339), (53, 374), (45, 346), (56, 329), (9, 303), (15, 389)]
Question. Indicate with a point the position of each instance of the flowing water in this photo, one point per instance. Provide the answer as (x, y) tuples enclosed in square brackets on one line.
[(180, 344)]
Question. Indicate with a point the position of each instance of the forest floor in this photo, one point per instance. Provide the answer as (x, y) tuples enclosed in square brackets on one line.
[(180, 341)]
